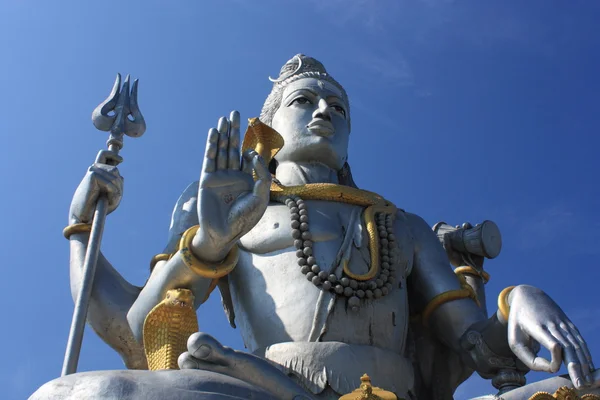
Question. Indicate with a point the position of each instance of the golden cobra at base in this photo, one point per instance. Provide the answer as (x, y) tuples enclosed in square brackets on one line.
[(167, 328)]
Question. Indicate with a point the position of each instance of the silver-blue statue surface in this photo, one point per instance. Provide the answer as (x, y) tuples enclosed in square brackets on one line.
[(325, 281)]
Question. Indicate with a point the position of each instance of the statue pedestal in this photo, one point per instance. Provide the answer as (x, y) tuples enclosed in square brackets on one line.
[(149, 385)]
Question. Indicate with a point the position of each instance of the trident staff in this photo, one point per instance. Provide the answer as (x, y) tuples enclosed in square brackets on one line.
[(120, 115)]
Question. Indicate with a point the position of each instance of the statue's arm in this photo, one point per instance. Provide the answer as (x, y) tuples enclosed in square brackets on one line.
[(460, 324), (492, 345), (433, 276), (111, 295), (111, 298), (174, 273)]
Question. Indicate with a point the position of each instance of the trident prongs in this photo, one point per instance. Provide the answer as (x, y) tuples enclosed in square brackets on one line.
[(126, 118)]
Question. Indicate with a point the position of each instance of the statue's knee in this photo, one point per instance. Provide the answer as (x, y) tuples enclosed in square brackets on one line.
[(105, 384)]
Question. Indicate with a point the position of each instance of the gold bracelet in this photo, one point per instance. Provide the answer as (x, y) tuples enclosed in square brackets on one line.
[(157, 258), (503, 305), (76, 228), (472, 271), (201, 268)]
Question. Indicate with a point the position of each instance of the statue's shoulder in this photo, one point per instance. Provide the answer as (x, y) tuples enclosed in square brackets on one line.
[(415, 223)]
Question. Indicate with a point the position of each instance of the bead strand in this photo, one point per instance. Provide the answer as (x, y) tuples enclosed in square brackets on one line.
[(354, 290)]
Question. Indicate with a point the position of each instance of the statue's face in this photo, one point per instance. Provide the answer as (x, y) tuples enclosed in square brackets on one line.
[(313, 121)]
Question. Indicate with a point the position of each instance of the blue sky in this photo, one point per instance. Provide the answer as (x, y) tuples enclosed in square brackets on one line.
[(462, 111)]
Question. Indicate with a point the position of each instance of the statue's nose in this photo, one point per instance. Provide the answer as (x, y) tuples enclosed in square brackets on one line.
[(322, 111)]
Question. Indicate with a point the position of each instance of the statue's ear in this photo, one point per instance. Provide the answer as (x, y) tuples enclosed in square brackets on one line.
[(345, 176)]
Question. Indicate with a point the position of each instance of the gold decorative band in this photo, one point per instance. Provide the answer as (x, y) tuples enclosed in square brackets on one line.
[(466, 292), (467, 270), (76, 228), (157, 258), (213, 271), (503, 305)]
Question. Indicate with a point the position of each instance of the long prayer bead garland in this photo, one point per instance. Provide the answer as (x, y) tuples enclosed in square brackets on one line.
[(355, 290)]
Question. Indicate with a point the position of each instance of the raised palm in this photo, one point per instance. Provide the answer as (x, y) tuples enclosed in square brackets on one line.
[(230, 201)]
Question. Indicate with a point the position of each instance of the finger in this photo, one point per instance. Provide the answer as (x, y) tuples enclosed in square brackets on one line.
[(223, 128), (108, 185), (108, 157), (570, 356), (584, 347), (234, 141), (247, 161), (260, 168), (262, 185), (582, 360), (187, 361), (518, 340), (543, 336), (210, 154)]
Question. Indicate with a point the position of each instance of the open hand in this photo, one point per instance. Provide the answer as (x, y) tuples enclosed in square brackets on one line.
[(230, 201)]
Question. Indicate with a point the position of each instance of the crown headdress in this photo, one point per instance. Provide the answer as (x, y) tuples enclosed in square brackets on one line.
[(299, 64)]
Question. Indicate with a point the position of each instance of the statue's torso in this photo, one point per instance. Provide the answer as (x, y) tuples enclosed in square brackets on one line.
[(275, 303)]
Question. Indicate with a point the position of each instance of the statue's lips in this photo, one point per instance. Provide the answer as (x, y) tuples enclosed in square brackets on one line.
[(321, 127)]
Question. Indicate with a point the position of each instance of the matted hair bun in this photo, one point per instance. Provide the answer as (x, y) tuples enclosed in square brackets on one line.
[(297, 65)]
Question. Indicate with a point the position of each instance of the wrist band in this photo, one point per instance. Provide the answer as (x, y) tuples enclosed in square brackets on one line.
[(503, 305), (76, 228), (213, 271)]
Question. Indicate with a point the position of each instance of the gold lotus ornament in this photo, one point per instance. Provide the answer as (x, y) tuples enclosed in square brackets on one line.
[(563, 393), (367, 391)]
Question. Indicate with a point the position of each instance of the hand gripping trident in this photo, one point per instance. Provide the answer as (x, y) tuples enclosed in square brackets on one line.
[(120, 115)]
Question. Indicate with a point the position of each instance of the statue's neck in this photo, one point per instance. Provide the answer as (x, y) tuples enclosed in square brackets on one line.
[(294, 174)]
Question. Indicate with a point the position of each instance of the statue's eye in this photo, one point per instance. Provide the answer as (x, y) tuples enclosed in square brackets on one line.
[(301, 100), (339, 109)]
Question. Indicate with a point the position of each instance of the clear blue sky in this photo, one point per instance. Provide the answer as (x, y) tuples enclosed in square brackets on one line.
[(462, 111)]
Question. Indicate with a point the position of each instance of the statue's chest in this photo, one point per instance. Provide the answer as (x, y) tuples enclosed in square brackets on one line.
[(326, 222), (276, 301)]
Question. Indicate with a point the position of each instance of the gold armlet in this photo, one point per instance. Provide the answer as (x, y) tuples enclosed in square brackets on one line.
[(466, 292), (157, 258), (76, 228), (466, 270), (503, 305), (213, 271)]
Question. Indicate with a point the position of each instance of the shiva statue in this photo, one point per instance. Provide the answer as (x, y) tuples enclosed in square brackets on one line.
[(325, 281)]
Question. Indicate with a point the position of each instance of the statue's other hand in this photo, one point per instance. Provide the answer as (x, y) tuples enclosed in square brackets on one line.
[(101, 178), (535, 316), (230, 201)]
